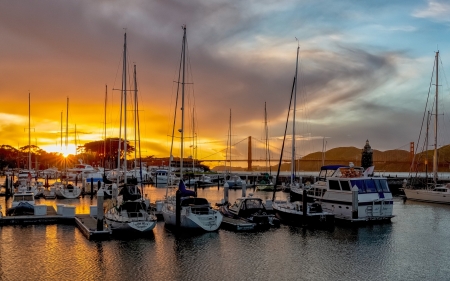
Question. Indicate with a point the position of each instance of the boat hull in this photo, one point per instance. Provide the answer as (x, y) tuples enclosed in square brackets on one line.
[(293, 216), (427, 196), (140, 226), (191, 221)]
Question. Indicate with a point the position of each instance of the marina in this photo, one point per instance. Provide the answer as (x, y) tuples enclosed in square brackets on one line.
[(392, 249), (151, 177)]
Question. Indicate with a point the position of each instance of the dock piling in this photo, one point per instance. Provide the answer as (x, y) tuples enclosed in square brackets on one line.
[(100, 196)]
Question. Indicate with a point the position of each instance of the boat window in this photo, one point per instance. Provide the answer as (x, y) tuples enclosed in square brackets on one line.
[(346, 185), (334, 185), (360, 184), (384, 186), (311, 192), (317, 192), (370, 186), (253, 204), (378, 185)]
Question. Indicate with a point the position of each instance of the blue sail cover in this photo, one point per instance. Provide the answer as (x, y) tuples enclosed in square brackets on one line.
[(184, 191), (333, 167)]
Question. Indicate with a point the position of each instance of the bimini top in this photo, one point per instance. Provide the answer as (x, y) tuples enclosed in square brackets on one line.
[(333, 167)]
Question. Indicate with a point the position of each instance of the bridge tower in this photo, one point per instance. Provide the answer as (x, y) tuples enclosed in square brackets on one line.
[(249, 154)]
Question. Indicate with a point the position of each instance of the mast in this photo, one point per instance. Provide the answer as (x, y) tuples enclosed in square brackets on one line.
[(61, 130), (29, 132), (435, 157), (67, 138), (124, 84), (229, 138), (182, 103), (293, 122), (123, 105), (266, 131), (104, 142), (135, 116), (76, 140)]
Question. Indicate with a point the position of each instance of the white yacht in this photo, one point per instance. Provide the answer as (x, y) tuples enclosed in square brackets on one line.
[(235, 182), (162, 176), (336, 188)]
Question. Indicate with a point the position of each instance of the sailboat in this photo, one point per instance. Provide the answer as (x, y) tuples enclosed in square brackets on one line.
[(64, 190), (130, 210), (436, 193), (266, 184), (234, 181), (298, 212), (190, 212), (26, 176)]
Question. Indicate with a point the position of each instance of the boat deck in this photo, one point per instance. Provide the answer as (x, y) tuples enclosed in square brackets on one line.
[(236, 225)]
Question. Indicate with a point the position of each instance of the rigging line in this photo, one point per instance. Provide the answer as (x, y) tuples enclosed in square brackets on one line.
[(423, 117)]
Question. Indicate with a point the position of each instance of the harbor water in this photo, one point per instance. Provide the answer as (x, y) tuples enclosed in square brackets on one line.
[(414, 246)]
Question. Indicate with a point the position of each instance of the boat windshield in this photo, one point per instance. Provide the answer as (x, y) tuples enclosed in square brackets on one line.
[(18, 198), (253, 204), (370, 185)]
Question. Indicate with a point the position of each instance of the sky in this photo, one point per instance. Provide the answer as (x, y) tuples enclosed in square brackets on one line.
[(364, 72)]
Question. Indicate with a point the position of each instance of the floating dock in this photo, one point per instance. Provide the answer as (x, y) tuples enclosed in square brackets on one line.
[(88, 226), (65, 215)]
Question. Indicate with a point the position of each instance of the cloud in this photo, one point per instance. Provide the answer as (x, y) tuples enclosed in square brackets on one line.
[(437, 11)]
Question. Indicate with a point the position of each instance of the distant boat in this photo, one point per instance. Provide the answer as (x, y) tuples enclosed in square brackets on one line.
[(434, 192)]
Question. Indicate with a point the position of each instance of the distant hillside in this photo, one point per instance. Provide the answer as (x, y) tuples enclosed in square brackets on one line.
[(390, 160)]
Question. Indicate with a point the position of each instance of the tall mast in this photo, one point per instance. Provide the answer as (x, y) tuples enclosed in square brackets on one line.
[(61, 130), (229, 138), (435, 157), (135, 116), (29, 132), (293, 122), (182, 103), (67, 125), (104, 142), (76, 139), (124, 81), (266, 132)]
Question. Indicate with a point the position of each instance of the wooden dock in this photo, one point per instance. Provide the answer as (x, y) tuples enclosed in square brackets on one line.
[(88, 226)]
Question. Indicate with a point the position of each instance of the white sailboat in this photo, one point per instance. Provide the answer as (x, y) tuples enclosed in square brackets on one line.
[(130, 210), (234, 181), (194, 213), (435, 193), (266, 184), (64, 190)]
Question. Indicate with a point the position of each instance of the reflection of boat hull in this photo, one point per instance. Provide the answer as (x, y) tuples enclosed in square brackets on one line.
[(427, 196)]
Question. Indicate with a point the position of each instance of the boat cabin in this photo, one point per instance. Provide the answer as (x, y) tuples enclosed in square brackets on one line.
[(27, 197), (245, 207)]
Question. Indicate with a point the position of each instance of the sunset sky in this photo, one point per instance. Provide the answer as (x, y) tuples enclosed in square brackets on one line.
[(365, 70)]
